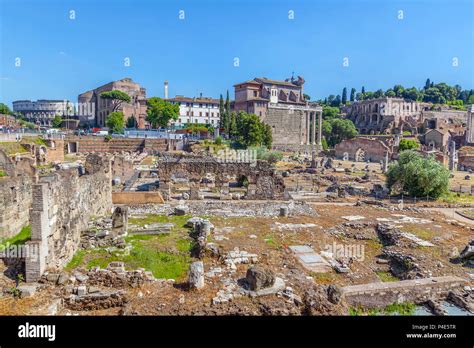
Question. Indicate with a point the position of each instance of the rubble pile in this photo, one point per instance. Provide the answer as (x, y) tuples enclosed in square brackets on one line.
[(115, 275), (84, 301)]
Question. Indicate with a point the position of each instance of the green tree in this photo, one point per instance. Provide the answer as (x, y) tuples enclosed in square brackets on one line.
[(116, 122), (222, 115), (378, 94), (344, 96), (131, 122), (4, 109), (306, 97), (252, 131), (117, 97), (160, 112), (427, 84), (417, 176), (471, 99), (339, 130), (227, 113), (407, 144), (353, 92), (412, 94), (330, 112), (57, 120), (390, 93), (233, 131), (267, 136), (398, 89)]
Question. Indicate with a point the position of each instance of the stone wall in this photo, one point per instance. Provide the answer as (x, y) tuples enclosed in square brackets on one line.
[(63, 203), (15, 202), (377, 295), (15, 194), (362, 149), (264, 183), (87, 144), (137, 197), (287, 128)]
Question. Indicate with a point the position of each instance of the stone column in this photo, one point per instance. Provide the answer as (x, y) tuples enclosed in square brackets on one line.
[(320, 131), (308, 139), (314, 128)]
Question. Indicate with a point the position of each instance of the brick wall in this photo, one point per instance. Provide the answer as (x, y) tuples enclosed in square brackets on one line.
[(99, 144)]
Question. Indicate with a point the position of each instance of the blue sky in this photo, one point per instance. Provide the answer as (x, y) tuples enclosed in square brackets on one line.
[(61, 57)]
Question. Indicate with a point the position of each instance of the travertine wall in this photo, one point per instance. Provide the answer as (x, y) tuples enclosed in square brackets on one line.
[(288, 129), (63, 203)]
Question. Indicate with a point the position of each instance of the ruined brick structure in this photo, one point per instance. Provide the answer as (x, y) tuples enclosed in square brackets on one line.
[(87, 144), (385, 115), (264, 183), (62, 205), (94, 109), (363, 149)]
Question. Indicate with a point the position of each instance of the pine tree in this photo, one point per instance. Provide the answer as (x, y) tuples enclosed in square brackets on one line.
[(363, 90), (344, 96), (353, 91)]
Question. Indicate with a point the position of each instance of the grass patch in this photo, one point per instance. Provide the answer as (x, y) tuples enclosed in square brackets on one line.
[(12, 147), (76, 260), (323, 278), (271, 241), (387, 276), (456, 197), (35, 140), (23, 236), (3, 173), (405, 308)]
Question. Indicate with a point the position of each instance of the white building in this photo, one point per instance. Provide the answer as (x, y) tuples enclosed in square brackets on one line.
[(42, 111), (198, 110)]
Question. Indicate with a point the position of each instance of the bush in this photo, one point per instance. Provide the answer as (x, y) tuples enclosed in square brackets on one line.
[(417, 176), (218, 141), (270, 156), (407, 144)]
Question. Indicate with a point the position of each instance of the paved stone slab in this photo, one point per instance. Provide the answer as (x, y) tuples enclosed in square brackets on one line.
[(301, 249), (310, 258), (353, 217)]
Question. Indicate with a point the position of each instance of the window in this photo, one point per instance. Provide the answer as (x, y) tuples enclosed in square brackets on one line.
[(207, 114), (255, 93), (187, 113), (200, 105), (192, 113), (196, 121), (200, 113)]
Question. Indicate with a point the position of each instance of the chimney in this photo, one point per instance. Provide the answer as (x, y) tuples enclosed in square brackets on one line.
[(166, 89)]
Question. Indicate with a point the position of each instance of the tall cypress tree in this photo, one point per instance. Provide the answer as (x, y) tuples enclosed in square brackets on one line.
[(363, 90), (353, 92), (227, 112), (221, 112), (344, 96)]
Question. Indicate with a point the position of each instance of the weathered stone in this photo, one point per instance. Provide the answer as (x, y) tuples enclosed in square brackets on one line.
[(334, 294), (196, 275), (258, 278), (81, 290), (181, 210), (27, 290)]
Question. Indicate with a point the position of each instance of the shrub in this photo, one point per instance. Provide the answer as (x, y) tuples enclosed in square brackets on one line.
[(417, 176)]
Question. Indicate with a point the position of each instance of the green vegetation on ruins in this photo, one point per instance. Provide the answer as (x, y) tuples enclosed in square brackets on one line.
[(405, 308), (166, 255), (23, 236)]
